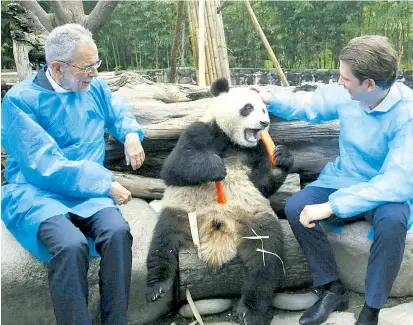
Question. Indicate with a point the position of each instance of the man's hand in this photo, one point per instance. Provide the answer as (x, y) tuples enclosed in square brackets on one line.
[(134, 153), (265, 95), (315, 212), (119, 194)]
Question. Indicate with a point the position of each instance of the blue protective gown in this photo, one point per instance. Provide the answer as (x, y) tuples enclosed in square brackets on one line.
[(55, 149), (375, 164)]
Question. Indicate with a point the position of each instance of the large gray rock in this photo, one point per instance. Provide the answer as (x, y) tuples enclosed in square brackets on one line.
[(352, 249), (25, 292), (25, 298), (142, 220), (398, 315)]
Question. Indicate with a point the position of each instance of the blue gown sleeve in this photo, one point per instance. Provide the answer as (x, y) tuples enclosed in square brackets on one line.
[(315, 107), (42, 162), (119, 120), (393, 184)]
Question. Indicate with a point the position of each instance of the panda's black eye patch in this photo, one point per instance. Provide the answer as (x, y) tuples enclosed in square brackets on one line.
[(246, 110)]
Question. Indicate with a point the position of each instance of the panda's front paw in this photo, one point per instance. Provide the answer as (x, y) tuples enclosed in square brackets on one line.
[(284, 158), (158, 290), (218, 171)]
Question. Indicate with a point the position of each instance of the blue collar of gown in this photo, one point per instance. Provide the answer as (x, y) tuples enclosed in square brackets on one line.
[(41, 80)]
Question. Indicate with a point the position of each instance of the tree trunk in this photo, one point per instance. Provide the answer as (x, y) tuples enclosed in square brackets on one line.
[(227, 281), (182, 64), (156, 55), (21, 59), (175, 46), (100, 15), (30, 19)]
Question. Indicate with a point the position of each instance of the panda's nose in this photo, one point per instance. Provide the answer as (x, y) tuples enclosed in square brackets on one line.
[(264, 124)]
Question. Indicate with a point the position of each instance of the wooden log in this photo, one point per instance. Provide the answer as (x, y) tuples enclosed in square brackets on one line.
[(312, 145), (227, 281), (291, 185), (154, 188), (141, 187), (165, 110)]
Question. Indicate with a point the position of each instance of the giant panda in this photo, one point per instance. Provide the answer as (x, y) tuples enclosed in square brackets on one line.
[(223, 146)]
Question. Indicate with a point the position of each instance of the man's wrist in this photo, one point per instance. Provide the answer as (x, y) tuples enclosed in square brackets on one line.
[(132, 136)]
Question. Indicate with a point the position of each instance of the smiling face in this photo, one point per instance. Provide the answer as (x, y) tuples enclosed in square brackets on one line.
[(71, 75), (358, 89), (242, 115)]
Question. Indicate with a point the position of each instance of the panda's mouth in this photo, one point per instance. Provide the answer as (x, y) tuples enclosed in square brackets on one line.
[(252, 135)]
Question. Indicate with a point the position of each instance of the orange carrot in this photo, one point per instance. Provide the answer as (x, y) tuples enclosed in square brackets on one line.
[(220, 193), (269, 145)]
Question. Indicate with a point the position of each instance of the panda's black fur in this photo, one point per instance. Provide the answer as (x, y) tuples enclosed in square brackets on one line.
[(204, 154)]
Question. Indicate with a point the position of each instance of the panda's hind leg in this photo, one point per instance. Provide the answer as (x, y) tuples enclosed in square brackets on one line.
[(170, 234), (260, 281)]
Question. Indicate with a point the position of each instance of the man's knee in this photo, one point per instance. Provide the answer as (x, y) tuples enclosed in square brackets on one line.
[(61, 237), (116, 227), (391, 218), (293, 208), (74, 245)]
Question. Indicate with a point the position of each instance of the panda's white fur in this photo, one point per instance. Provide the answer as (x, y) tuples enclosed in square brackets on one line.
[(225, 111)]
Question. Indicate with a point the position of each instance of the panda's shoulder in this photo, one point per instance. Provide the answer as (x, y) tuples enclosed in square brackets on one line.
[(201, 132), (197, 128)]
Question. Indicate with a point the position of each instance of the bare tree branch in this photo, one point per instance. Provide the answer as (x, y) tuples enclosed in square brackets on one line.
[(43, 17), (61, 14), (100, 14), (74, 8), (25, 20)]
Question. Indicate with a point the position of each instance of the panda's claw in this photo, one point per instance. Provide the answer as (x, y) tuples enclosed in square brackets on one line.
[(159, 289), (250, 317)]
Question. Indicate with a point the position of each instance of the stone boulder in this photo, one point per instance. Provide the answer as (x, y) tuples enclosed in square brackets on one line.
[(352, 248), (24, 286), (25, 292)]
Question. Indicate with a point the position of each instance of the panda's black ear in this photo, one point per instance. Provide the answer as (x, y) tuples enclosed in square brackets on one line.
[(219, 86)]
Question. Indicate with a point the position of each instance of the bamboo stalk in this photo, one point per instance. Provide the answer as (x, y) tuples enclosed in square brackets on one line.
[(223, 47), (201, 42), (196, 21), (267, 46), (214, 37), (211, 44), (208, 47), (192, 30), (220, 43)]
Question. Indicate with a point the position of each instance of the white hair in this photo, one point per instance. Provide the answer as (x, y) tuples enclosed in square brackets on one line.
[(62, 41)]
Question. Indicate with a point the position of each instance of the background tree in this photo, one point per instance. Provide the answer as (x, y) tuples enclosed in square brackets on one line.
[(32, 23), (304, 34)]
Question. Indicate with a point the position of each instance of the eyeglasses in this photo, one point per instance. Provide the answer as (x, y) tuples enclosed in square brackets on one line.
[(87, 69)]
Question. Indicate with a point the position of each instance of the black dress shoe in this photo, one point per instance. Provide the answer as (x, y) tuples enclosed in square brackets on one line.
[(368, 316), (326, 304)]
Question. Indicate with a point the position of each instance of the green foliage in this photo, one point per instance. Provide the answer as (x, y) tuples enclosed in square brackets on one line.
[(303, 34), (268, 64)]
